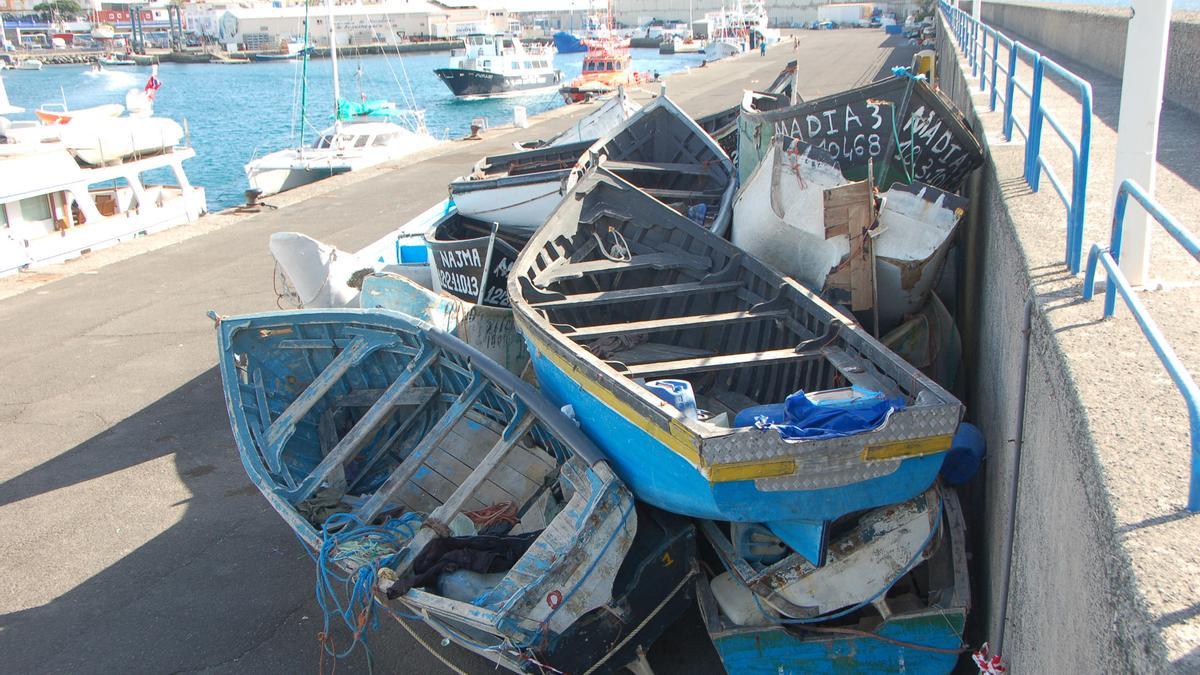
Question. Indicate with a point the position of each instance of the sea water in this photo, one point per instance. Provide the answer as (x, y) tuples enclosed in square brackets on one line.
[(234, 113)]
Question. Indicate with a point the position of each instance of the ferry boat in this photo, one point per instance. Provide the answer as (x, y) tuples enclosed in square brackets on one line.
[(606, 67), (498, 65)]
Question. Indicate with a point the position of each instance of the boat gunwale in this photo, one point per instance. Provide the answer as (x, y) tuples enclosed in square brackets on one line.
[(696, 441)]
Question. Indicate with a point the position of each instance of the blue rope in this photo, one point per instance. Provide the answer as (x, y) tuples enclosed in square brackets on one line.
[(350, 596)]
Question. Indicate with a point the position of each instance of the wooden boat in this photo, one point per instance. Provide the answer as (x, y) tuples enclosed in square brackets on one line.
[(797, 213), (48, 115), (915, 627), (722, 126), (611, 114), (115, 60), (489, 329), (517, 190), (766, 582), (617, 289), (666, 154), (313, 275), (388, 419), (102, 141), (900, 124), (471, 259)]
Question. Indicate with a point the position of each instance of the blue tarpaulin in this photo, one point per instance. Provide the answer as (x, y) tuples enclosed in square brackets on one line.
[(802, 417)]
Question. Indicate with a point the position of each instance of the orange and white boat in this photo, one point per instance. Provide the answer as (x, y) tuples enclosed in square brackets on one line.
[(606, 67), (49, 115)]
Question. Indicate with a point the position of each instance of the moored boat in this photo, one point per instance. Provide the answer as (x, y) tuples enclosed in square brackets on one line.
[(498, 65), (607, 66), (900, 125), (609, 115), (617, 290), (915, 626), (517, 190), (371, 428), (669, 156)]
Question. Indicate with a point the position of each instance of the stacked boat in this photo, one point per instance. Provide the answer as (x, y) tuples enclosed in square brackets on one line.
[(770, 366)]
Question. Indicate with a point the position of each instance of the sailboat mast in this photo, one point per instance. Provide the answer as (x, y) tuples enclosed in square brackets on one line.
[(333, 55), (304, 79)]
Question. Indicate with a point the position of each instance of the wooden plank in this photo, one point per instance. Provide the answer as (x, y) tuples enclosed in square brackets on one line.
[(856, 373), (849, 211), (365, 398), (672, 167), (648, 352), (706, 363), (471, 485), (664, 193), (671, 323), (454, 472), (638, 294), (520, 475), (659, 261)]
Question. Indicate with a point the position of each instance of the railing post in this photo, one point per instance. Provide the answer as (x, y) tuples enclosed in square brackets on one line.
[(995, 68), (1115, 239), (1033, 145), (1008, 90), (1079, 193)]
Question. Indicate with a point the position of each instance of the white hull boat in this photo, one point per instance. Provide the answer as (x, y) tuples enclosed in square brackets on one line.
[(610, 115), (29, 64), (722, 48), (103, 141)]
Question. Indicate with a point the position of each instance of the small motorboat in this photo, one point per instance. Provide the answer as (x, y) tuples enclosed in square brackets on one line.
[(29, 64), (666, 154), (368, 427), (718, 387), (48, 115), (115, 60), (471, 259), (99, 141), (499, 66)]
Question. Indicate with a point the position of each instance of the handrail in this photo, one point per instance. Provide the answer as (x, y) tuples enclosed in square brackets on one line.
[(1110, 257), (971, 36)]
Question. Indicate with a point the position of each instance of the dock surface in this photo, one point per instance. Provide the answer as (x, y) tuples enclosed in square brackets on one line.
[(135, 542)]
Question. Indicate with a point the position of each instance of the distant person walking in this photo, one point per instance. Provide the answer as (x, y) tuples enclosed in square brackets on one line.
[(762, 47), (795, 42)]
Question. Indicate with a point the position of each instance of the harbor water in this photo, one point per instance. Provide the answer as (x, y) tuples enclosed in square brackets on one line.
[(237, 112)]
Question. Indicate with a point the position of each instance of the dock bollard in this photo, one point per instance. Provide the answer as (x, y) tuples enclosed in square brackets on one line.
[(520, 118)]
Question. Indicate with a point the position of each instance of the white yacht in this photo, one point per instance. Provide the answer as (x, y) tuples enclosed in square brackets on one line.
[(499, 65), (362, 135), (60, 196)]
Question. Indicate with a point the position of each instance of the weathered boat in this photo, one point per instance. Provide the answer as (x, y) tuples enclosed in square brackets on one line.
[(765, 581), (313, 275), (722, 126), (609, 115), (471, 259), (916, 626), (517, 190), (667, 155), (489, 329), (909, 131), (617, 290), (401, 432), (797, 213)]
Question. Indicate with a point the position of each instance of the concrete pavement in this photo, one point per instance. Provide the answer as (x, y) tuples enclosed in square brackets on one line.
[(134, 541)]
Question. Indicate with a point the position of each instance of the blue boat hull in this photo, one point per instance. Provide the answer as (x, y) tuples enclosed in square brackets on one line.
[(566, 43), (659, 476)]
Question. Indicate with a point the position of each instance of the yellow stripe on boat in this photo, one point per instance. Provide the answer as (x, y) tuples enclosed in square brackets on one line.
[(725, 473), (915, 447)]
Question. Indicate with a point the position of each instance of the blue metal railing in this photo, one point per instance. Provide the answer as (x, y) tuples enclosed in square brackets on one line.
[(972, 39), (1110, 257)]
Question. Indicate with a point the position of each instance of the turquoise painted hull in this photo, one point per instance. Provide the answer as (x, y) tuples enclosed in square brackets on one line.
[(774, 651), (659, 476)]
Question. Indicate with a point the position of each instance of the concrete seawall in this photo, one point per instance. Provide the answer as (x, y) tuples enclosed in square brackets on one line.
[(1096, 36), (1101, 577)]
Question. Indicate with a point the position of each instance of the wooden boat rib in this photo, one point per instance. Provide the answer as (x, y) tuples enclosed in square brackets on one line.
[(617, 288), (667, 155), (393, 415)]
